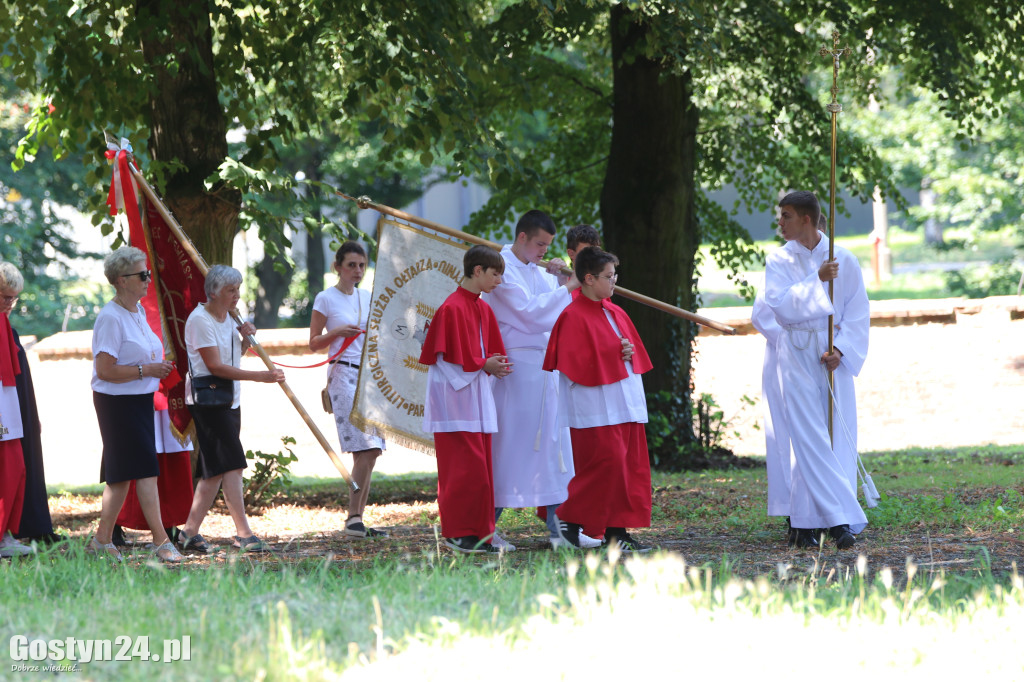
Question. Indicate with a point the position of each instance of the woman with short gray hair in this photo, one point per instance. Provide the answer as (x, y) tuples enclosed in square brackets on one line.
[(215, 349), (11, 278), (128, 365)]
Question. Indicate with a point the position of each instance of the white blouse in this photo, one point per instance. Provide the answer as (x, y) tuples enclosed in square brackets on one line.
[(127, 337), (341, 309), (203, 330)]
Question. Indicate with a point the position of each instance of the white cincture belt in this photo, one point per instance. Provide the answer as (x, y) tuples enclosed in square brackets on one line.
[(801, 328), (543, 406)]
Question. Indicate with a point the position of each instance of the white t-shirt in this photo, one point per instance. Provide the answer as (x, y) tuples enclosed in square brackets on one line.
[(127, 337), (202, 330), (341, 309)]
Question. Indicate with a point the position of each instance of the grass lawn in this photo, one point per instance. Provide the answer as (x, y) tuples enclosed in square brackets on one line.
[(931, 586)]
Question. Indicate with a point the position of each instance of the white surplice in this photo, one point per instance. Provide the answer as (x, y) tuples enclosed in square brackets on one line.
[(621, 402), (531, 453), (458, 400), (778, 454), (823, 487)]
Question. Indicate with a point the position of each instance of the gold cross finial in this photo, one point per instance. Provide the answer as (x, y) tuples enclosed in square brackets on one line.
[(836, 52)]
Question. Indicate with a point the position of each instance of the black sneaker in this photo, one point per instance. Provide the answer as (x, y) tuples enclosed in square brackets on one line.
[(117, 537), (842, 536), (570, 533), (803, 538), (470, 544), (358, 530), (624, 541)]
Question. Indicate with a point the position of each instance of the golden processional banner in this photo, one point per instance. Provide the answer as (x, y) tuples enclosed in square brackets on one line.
[(415, 272)]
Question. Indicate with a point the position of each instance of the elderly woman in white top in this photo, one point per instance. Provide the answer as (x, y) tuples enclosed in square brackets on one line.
[(128, 364), (215, 348)]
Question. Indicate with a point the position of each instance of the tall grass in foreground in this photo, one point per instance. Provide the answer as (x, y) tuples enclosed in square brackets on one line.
[(558, 615)]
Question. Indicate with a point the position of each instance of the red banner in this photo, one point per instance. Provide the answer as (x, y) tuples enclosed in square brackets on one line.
[(177, 289)]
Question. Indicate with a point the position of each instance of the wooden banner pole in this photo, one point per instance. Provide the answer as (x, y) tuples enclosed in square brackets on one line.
[(366, 202), (200, 262)]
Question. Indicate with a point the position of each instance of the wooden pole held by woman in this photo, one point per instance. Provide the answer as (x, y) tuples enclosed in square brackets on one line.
[(200, 262), (366, 202)]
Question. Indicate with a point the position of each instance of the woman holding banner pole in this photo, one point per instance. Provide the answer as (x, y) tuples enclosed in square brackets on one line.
[(340, 314), (215, 349)]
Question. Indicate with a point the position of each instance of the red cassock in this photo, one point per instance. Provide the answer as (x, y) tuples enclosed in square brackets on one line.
[(465, 484), (612, 486), (12, 461)]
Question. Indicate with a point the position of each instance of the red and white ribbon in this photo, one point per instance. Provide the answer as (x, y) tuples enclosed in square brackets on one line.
[(122, 194)]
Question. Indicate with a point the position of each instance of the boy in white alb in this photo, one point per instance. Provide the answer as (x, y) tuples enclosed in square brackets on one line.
[(778, 453), (823, 485), (532, 454)]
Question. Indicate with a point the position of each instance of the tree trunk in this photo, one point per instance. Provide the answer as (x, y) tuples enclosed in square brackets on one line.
[(315, 236), (274, 276), (648, 203), (188, 122), (932, 227)]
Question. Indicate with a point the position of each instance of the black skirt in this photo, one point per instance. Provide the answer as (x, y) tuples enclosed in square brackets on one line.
[(129, 437), (217, 430)]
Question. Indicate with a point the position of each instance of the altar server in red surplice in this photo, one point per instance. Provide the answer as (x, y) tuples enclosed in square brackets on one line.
[(600, 356), (12, 462), (464, 352)]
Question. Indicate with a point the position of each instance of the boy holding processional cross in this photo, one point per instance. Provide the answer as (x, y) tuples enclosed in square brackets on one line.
[(600, 357), (532, 453), (464, 351), (823, 481)]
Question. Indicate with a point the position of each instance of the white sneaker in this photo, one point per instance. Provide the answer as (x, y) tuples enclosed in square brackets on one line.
[(502, 544), (586, 542), (11, 547)]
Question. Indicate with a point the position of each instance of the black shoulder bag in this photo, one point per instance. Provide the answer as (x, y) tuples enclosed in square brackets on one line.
[(213, 391)]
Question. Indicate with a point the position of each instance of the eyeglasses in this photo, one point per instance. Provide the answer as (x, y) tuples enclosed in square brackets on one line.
[(611, 278), (144, 275), (9, 299)]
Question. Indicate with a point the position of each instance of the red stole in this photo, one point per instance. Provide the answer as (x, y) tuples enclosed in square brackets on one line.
[(9, 365), (584, 347), (456, 329)]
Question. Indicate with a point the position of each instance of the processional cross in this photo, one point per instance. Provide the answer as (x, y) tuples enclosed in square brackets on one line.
[(834, 107)]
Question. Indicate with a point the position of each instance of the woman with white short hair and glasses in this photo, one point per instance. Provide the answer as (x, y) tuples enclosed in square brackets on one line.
[(128, 364)]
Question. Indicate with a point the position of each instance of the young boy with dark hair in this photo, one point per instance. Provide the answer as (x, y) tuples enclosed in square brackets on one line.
[(533, 460), (823, 478), (600, 356), (463, 351), (580, 237)]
